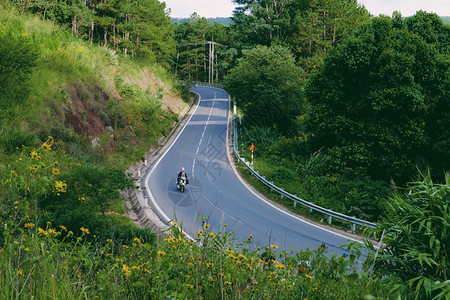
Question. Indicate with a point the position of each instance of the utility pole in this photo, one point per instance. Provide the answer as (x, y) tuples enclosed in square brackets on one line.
[(211, 61), (210, 58)]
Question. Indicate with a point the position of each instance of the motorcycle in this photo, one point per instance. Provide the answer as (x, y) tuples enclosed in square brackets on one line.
[(182, 183)]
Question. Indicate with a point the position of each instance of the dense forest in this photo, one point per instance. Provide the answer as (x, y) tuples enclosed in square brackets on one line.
[(348, 110)]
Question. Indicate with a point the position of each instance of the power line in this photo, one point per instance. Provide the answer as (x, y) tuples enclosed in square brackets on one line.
[(211, 56)]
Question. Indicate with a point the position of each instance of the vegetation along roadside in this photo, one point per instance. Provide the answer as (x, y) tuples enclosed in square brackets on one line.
[(351, 109)]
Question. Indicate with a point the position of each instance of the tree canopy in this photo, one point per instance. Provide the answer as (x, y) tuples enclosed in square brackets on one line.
[(381, 100), (142, 27), (309, 28), (267, 84)]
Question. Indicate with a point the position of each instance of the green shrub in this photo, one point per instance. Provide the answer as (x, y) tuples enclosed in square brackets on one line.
[(414, 253), (12, 139), (262, 137), (281, 174), (15, 69)]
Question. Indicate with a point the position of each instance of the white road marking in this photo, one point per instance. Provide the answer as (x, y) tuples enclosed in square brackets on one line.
[(203, 134), (150, 195), (274, 206), (223, 212), (167, 219)]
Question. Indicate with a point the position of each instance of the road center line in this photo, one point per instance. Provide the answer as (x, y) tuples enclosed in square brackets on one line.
[(203, 134)]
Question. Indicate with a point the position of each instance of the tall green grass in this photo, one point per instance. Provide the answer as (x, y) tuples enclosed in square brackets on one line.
[(53, 263), (66, 65)]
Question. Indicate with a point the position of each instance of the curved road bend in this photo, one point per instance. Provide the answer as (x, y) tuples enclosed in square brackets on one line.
[(216, 193)]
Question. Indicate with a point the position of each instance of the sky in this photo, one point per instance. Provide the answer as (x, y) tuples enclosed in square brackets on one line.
[(224, 8)]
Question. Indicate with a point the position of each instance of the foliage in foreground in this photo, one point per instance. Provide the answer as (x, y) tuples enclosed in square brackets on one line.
[(54, 263), (415, 254)]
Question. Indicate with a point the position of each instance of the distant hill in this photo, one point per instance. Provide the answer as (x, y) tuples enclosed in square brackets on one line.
[(227, 21), (224, 21)]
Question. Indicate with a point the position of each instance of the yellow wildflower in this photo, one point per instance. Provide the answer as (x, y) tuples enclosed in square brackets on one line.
[(125, 246), (55, 170), (85, 230), (309, 276), (63, 227), (170, 239), (274, 246), (162, 253), (20, 272), (29, 225), (60, 186), (206, 225), (137, 240), (42, 231), (46, 146), (126, 270), (35, 155), (279, 266)]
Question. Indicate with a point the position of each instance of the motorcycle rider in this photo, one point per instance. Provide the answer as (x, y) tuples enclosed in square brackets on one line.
[(180, 174)]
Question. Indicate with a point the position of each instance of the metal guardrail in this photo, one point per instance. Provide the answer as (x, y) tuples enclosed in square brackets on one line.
[(312, 207)]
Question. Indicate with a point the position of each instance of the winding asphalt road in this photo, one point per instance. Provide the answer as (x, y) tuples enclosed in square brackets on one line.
[(216, 193)]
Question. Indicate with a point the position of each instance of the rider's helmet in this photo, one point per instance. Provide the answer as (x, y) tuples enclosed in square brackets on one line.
[(182, 169)]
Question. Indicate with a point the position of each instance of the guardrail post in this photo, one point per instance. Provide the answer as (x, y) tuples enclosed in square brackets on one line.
[(295, 202), (329, 220), (271, 189), (353, 227), (282, 196), (310, 210)]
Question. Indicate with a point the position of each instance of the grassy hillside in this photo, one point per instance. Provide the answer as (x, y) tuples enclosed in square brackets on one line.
[(73, 117), (83, 92)]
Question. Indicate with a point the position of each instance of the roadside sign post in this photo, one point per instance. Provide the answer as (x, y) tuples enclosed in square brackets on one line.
[(252, 148)]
